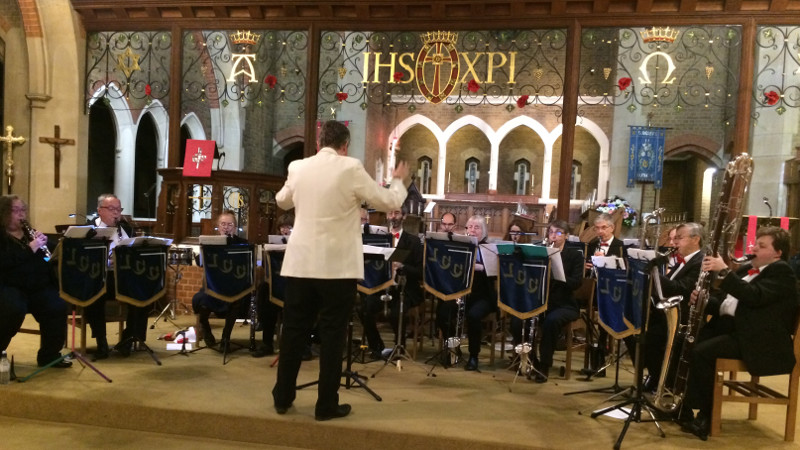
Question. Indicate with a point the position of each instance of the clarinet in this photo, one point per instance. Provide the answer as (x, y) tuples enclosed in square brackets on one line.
[(30, 233)]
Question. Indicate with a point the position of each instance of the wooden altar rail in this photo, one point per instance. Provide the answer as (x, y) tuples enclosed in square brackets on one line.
[(499, 209), (255, 201)]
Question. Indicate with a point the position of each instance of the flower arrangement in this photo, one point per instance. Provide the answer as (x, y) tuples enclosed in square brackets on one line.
[(610, 205)]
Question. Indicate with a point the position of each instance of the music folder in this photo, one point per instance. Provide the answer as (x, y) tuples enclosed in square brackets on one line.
[(144, 240), (537, 251)]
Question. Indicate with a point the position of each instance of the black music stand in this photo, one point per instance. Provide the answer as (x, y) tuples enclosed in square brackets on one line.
[(398, 352), (637, 401), (451, 346), (176, 262), (73, 354), (225, 279)]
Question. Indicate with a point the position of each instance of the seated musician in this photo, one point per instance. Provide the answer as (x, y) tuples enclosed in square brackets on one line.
[(411, 268), (562, 308), (28, 284), (679, 280), (753, 317), (109, 214), (481, 302), (267, 310), (448, 223), (204, 304), (517, 232)]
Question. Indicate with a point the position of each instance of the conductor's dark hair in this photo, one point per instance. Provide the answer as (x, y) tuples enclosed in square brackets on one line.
[(333, 134)]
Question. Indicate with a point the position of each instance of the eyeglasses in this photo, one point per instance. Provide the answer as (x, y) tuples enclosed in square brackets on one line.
[(112, 209)]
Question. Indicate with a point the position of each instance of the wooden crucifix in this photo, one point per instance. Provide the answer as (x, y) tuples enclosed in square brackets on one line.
[(57, 142), (9, 140)]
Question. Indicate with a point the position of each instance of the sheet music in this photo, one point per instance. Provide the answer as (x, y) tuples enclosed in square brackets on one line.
[(376, 229), (442, 236), (556, 265), (374, 250), (644, 255), (490, 260), (613, 262), (80, 231), (429, 207), (144, 240), (277, 239), (275, 247), (213, 239)]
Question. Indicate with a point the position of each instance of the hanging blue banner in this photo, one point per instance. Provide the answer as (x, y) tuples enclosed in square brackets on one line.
[(377, 270), (448, 268), (524, 285), (277, 283), (228, 271), (646, 155), (140, 273), (82, 270), (612, 293), (639, 292)]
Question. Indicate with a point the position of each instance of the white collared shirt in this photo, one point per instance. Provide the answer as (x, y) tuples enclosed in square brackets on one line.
[(728, 306), (680, 266)]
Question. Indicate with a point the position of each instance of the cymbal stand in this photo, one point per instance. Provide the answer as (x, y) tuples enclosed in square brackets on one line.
[(399, 352), (73, 354)]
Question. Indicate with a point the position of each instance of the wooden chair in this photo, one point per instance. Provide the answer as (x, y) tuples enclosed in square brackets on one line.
[(753, 392), (584, 295), (116, 311)]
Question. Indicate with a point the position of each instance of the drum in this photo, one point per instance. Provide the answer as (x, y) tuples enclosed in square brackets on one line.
[(180, 257)]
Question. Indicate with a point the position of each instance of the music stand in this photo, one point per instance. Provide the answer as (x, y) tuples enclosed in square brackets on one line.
[(531, 262), (638, 401), (82, 288), (178, 258), (228, 275), (451, 282), (140, 266)]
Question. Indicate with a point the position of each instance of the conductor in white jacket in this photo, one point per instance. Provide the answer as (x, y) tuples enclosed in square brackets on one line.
[(324, 260)]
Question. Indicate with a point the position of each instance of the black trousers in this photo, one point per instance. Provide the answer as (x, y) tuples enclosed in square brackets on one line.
[(476, 309), (717, 340), (549, 330), (306, 298), (46, 307), (371, 306), (267, 314)]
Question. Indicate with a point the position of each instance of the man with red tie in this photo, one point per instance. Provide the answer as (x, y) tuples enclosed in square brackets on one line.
[(679, 280), (605, 244), (753, 318), (412, 293)]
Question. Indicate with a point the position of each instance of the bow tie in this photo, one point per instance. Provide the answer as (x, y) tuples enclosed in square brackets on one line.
[(679, 259), (753, 271), (397, 235), (604, 244)]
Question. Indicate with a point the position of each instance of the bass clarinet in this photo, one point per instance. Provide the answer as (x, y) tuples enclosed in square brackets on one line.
[(722, 241)]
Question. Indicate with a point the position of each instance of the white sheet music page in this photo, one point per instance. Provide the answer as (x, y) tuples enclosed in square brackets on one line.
[(611, 262)]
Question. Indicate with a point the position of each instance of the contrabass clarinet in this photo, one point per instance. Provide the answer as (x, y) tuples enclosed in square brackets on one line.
[(722, 241), (30, 233)]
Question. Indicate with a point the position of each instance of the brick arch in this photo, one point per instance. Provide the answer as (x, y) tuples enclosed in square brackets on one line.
[(31, 22), (700, 146), (286, 137)]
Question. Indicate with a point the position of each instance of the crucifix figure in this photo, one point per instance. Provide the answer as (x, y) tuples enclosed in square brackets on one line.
[(9, 141), (198, 157), (56, 142)]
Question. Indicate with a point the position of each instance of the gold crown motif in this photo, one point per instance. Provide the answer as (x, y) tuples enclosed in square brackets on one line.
[(659, 34), (446, 37), (245, 37)]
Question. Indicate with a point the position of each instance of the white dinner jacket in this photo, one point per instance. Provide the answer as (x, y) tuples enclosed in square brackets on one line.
[(327, 191)]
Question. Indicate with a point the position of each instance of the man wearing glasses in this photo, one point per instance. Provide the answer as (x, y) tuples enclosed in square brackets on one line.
[(109, 214)]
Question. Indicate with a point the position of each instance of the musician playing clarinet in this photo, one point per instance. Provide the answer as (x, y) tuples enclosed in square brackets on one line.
[(562, 308), (28, 284), (753, 317)]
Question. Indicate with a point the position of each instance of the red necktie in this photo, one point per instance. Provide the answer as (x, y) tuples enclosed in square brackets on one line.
[(753, 271), (397, 235), (679, 259)]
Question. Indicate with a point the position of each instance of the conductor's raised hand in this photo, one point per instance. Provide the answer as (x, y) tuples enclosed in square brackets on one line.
[(401, 171)]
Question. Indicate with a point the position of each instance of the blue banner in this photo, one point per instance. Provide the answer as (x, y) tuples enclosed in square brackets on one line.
[(82, 270), (228, 271), (140, 272), (449, 266), (612, 294), (377, 270), (639, 292), (524, 285), (646, 155), (277, 283)]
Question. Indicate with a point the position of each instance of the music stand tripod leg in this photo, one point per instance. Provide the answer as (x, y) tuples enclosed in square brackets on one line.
[(399, 350)]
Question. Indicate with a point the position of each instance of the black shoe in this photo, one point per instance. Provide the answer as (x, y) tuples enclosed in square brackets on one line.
[(124, 348), (340, 411), (699, 427), (263, 351), (63, 364), (102, 349), (282, 409), (472, 363), (541, 374), (209, 338)]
